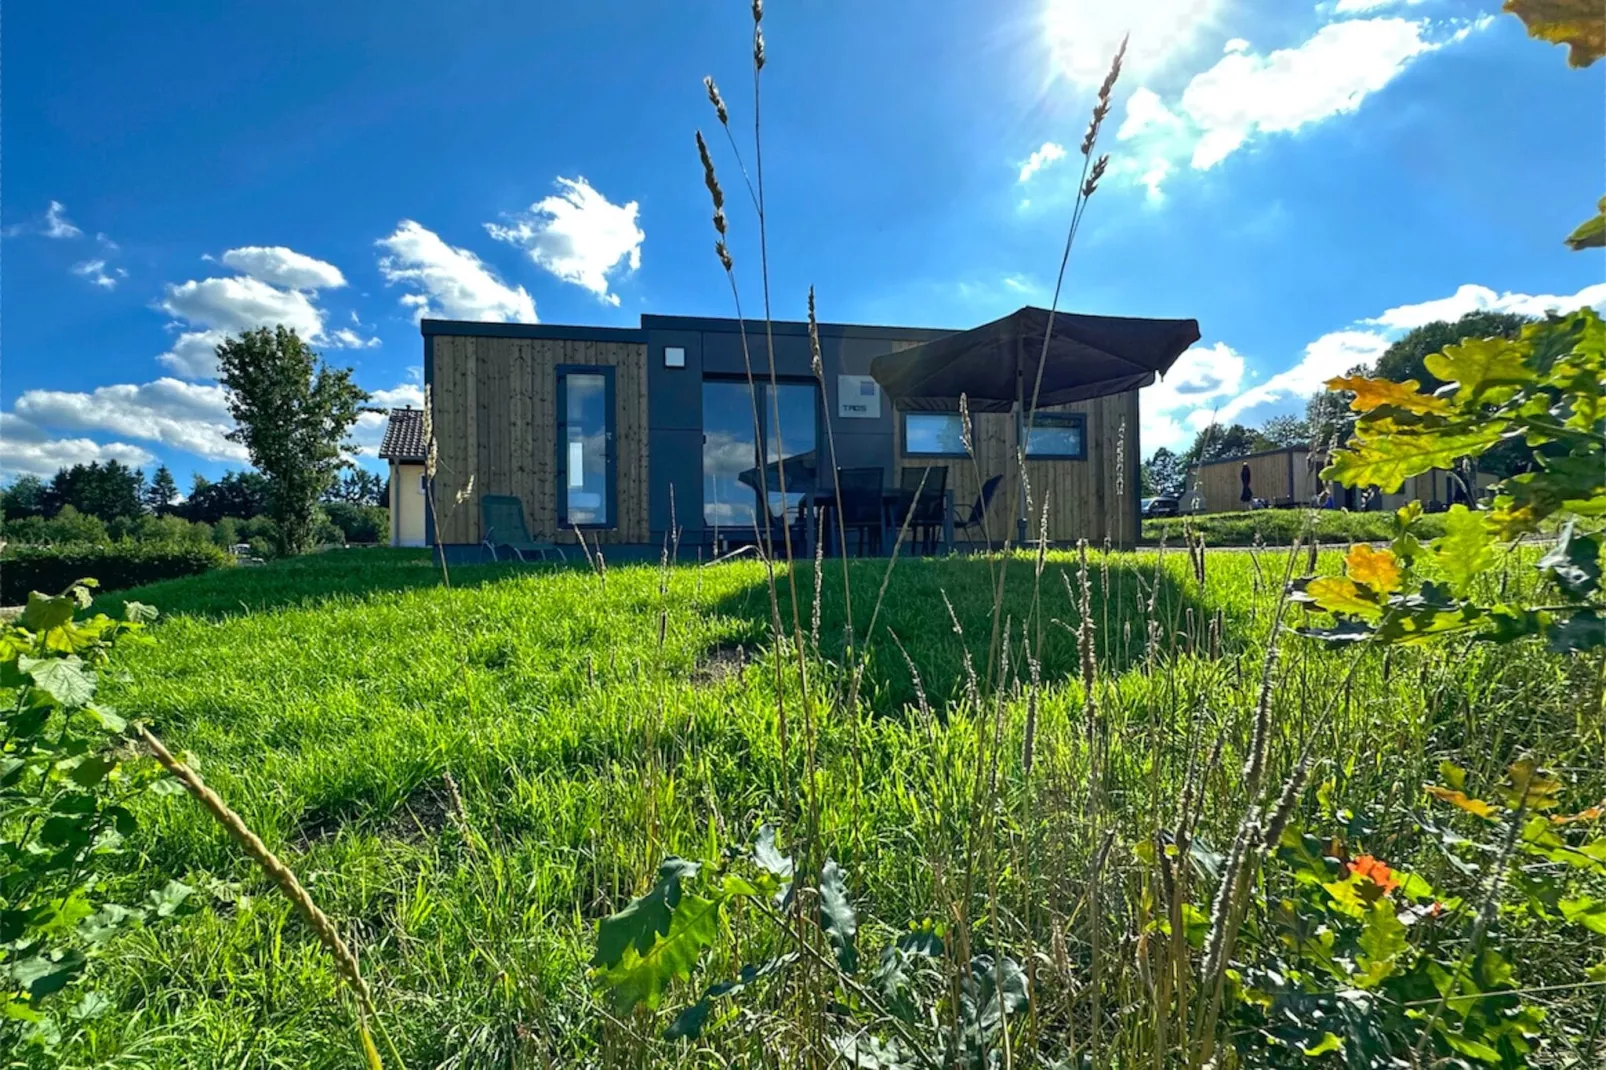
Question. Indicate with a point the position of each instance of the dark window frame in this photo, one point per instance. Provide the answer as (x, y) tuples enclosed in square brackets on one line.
[(611, 435), (1060, 420), (903, 434)]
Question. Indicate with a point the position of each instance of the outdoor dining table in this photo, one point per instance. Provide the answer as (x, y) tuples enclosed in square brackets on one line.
[(895, 503)]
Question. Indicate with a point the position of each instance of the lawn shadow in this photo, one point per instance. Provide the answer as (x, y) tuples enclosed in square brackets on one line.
[(915, 611)]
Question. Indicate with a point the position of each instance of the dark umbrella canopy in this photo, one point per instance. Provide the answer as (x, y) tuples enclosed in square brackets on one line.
[(1088, 357)]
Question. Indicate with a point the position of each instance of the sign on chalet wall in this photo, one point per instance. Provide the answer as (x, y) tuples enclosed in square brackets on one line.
[(858, 397)]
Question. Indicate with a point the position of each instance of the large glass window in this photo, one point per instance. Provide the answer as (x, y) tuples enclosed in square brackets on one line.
[(787, 419), (1058, 435), (585, 447), (933, 434)]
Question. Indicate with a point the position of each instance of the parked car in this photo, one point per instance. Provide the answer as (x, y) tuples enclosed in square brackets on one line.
[(1160, 507)]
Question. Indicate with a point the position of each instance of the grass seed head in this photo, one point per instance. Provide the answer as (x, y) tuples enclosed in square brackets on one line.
[(815, 363), (716, 100)]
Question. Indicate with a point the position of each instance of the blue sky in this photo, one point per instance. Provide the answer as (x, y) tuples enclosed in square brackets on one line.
[(1307, 180)]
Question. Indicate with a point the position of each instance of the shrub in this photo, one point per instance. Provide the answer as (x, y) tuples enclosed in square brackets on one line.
[(67, 526), (359, 523), (173, 530), (54, 568)]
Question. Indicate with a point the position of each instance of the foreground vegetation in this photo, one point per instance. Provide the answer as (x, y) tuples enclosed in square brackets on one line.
[(469, 779), (1281, 527)]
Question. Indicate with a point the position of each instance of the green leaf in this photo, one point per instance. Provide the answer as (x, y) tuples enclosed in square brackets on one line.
[(768, 857), (1381, 941), (1388, 460), (1574, 561), (645, 918), (108, 718), (1578, 633), (642, 978), (103, 923), (1453, 774), (138, 613), (169, 898), (44, 612), (690, 1021), (92, 770), (1329, 1042), (63, 679), (837, 917), (1335, 594), (1591, 233), (1585, 911), (1481, 366), (41, 976), (1465, 550)]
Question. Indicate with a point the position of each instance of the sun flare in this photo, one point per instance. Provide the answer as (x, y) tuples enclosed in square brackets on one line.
[(1084, 34)]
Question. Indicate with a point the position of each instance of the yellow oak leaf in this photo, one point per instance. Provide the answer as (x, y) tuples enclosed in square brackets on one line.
[(1578, 24), (1377, 569), (1374, 393), (1461, 800)]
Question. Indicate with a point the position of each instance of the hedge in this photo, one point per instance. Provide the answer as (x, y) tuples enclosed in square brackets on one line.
[(1278, 527), (51, 568)]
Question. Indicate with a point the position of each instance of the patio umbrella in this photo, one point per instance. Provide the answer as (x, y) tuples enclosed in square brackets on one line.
[(996, 365)]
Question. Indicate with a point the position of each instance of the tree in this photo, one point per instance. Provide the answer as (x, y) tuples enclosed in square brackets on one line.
[(107, 491), (1286, 431), (1405, 358), (161, 492), (1164, 474), (292, 413), (25, 497), (1216, 442), (242, 495), (358, 487)]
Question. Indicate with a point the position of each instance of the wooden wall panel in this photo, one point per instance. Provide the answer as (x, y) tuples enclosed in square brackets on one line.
[(1086, 499), (1092, 499), (495, 420), (1278, 477)]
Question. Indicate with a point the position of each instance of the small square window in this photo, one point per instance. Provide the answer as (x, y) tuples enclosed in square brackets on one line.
[(1059, 435), (674, 357), (933, 434)]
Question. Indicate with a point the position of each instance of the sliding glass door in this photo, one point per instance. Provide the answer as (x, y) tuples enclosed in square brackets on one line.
[(788, 425)]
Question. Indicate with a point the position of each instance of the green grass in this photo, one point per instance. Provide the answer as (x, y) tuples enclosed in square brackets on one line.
[(325, 698)]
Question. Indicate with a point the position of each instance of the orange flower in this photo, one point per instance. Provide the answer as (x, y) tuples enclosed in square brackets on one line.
[(1377, 872)]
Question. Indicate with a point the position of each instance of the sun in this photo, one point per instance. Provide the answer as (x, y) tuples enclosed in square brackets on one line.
[(1083, 35)]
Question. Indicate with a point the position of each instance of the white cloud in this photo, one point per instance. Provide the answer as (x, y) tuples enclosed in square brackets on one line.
[(1236, 44), (1040, 159), (1473, 298), (1246, 95), (186, 416), (346, 338), (1332, 354), (194, 354), (95, 271), (1357, 7), (407, 395), (56, 224), (456, 284), (1177, 406), (279, 266), (26, 449), (578, 235), (1084, 34), (1208, 384)]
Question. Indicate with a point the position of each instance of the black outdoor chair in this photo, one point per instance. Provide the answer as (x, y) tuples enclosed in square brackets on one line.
[(977, 520), (860, 489), (927, 490)]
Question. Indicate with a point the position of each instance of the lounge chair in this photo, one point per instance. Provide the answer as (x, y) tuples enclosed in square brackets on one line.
[(502, 520)]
